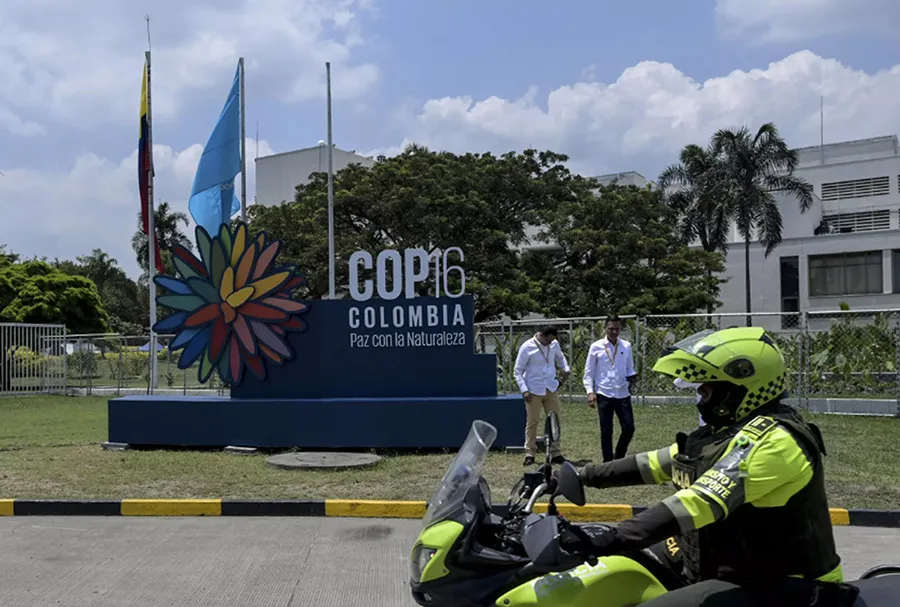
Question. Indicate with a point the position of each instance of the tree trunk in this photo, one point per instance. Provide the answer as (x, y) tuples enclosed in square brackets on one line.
[(747, 278), (709, 307)]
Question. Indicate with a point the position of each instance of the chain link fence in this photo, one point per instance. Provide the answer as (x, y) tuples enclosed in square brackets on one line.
[(830, 355)]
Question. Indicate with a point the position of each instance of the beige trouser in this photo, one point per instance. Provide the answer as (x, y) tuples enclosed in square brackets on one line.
[(533, 420)]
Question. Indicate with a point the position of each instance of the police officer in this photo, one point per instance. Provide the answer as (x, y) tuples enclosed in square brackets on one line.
[(750, 515)]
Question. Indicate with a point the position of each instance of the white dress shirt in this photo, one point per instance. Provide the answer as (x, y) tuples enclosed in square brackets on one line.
[(607, 368), (535, 369)]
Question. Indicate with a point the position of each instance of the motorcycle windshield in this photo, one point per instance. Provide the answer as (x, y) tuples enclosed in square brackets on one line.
[(463, 473)]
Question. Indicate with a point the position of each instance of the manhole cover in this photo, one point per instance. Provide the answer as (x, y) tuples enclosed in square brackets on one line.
[(293, 461)]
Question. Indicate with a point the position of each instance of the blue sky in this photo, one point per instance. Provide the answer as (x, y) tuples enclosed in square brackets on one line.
[(617, 86)]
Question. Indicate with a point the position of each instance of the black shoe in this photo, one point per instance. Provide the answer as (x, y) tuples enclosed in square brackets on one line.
[(559, 459), (529, 460)]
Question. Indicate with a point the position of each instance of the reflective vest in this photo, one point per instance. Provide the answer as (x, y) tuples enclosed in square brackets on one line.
[(758, 543)]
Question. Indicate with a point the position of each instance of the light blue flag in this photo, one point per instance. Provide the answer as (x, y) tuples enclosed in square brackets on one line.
[(213, 199)]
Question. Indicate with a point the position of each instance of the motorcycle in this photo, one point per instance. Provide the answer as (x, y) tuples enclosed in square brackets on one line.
[(469, 554)]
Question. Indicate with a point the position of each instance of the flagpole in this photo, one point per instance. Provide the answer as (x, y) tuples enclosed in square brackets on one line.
[(151, 229), (243, 150), (331, 289)]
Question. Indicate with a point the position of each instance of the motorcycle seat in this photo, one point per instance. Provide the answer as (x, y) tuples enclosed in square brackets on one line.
[(881, 591)]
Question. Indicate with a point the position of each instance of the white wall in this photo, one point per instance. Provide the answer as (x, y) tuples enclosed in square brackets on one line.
[(278, 175), (765, 273)]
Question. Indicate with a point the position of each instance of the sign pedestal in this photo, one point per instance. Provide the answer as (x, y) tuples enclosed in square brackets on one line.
[(342, 374)]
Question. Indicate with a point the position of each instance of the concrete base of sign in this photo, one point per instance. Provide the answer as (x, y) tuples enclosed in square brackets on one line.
[(330, 459), (339, 423)]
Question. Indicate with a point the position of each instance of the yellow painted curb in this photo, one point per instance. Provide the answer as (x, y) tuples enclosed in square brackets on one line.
[(374, 508), (839, 516), (591, 513), (6, 507), (161, 507)]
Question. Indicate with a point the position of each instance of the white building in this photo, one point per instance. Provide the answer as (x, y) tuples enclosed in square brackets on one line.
[(844, 249), (278, 175)]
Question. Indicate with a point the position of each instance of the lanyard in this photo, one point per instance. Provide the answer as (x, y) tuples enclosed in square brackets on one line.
[(612, 359), (546, 356)]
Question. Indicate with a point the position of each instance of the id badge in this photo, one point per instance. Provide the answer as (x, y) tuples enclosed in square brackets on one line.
[(611, 374)]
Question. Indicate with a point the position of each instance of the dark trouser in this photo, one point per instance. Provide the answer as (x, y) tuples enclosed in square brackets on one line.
[(622, 408)]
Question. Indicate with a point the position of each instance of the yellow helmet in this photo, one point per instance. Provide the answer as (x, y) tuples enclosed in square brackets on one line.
[(743, 365)]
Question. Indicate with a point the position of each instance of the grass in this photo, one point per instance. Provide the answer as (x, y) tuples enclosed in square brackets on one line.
[(49, 448)]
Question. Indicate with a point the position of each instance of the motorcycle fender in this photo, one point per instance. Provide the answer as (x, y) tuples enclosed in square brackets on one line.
[(615, 581), (438, 540)]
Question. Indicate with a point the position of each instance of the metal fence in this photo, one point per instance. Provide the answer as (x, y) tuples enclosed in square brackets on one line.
[(32, 358), (830, 355), (44, 358)]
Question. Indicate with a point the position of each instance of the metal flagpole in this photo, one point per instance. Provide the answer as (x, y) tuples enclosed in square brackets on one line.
[(151, 229), (331, 289), (243, 150)]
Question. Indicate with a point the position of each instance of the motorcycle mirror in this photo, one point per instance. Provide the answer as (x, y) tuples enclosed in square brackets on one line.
[(570, 485)]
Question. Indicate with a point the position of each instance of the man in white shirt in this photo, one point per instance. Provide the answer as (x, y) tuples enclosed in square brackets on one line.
[(535, 373), (608, 376)]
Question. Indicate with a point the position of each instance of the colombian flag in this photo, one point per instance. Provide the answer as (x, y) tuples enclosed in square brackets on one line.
[(145, 165)]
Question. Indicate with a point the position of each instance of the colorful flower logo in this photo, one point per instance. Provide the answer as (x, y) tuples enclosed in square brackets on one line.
[(233, 307)]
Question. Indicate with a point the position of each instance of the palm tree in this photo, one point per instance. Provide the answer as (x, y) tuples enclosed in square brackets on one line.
[(166, 224), (754, 166), (702, 211)]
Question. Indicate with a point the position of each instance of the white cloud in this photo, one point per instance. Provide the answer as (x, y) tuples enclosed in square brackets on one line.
[(790, 20), (642, 120), (89, 75), (639, 122), (96, 204), (16, 125)]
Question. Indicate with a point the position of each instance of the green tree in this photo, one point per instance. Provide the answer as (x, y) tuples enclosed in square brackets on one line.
[(119, 293), (37, 292), (167, 225), (479, 202), (755, 166), (618, 252), (702, 209)]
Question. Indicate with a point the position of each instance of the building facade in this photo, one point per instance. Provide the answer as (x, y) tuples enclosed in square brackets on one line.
[(278, 175), (844, 250)]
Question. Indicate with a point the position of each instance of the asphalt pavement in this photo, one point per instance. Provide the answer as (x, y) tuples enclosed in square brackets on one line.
[(245, 561)]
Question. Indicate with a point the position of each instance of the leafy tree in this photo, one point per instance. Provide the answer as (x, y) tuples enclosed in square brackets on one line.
[(119, 293), (691, 189), (167, 225), (479, 202), (37, 292), (617, 252), (754, 167)]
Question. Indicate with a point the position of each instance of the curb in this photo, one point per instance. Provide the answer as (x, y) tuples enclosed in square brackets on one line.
[(598, 513)]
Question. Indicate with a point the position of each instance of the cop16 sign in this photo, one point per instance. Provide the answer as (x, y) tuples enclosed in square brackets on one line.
[(400, 320), (405, 272)]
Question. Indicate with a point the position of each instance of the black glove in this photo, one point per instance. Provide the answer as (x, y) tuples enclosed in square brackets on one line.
[(597, 540)]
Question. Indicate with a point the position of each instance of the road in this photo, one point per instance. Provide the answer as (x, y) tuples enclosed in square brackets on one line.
[(244, 561)]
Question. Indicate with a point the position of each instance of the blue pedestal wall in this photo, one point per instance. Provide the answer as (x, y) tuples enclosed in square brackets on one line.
[(328, 423)]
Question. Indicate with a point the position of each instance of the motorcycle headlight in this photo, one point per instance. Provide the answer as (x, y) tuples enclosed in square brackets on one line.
[(420, 558)]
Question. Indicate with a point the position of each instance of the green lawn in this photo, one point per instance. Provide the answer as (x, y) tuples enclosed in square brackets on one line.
[(50, 448)]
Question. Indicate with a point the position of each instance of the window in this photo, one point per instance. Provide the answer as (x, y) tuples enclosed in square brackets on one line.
[(864, 221), (790, 291), (845, 274), (856, 188), (895, 272)]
